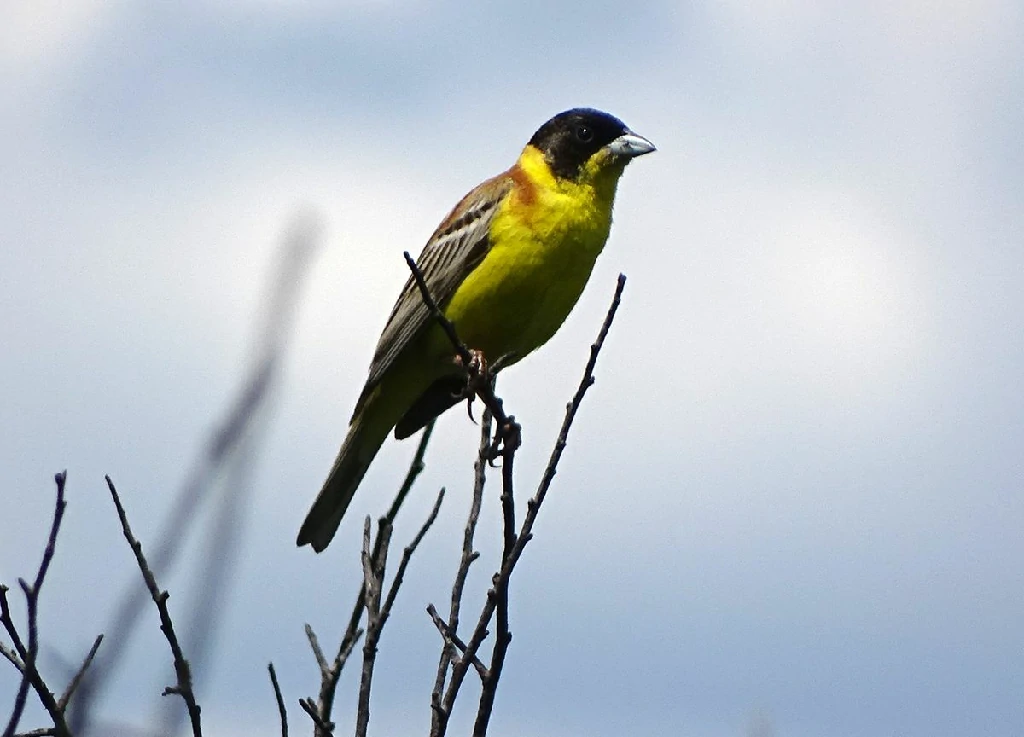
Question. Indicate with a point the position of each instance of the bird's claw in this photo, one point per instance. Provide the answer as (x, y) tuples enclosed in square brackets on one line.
[(477, 376)]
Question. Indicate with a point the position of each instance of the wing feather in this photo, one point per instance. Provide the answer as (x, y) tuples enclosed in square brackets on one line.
[(457, 246)]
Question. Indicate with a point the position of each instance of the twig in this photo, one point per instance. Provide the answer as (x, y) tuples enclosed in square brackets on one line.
[(281, 710), (452, 641), (478, 377), (329, 674), (181, 666), (449, 329), (373, 578), (226, 455), (439, 714), (11, 656), (503, 638), (318, 652), (513, 554), (29, 672), (323, 726), (377, 613), (65, 699), (407, 554), (499, 587), (533, 506)]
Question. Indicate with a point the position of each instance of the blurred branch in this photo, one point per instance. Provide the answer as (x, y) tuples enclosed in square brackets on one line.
[(281, 710), (181, 666), (24, 656), (231, 445)]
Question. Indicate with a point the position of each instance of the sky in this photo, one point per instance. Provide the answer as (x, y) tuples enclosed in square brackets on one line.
[(791, 504)]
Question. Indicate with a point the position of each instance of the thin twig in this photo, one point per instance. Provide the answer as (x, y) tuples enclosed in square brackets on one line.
[(10, 654), (478, 378), (226, 454), (30, 675), (533, 507), (329, 674), (407, 554), (439, 715), (323, 726), (453, 641), (373, 577), (376, 613), (503, 638), (281, 710), (500, 582), (318, 652), (181, 666), (65, 699)]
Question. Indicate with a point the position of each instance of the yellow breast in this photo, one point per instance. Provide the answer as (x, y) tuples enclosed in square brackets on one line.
[(545, 239)]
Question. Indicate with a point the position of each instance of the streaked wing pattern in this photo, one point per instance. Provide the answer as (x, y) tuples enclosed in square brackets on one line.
[(455, 249)]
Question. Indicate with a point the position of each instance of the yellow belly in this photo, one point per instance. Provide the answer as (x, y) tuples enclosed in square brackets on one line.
[(540, 261)]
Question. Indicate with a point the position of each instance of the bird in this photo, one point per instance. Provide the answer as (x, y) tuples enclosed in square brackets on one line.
[(506, 267)]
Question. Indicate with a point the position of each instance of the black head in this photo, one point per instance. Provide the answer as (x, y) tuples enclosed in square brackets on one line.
[(569, 139)]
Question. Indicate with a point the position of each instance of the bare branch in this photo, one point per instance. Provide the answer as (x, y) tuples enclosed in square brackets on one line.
[(513, 553), (226, 454), (439, 716), (323, 726), (28, 653), (10, 654), (407, 554), (181, 666), (453, 642), (373, 577), (329, 674), (377, 613), (479, 380), (318, 652), (503, 638), (65, 699), (281, 710), (497, 595)]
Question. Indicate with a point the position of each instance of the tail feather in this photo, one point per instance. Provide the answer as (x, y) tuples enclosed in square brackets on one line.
[(358, 450)]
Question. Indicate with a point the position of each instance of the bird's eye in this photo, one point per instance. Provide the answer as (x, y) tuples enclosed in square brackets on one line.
[(584, 133)]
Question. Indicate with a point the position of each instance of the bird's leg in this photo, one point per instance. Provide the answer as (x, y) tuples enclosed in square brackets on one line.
[(480, 377), (477, 375)]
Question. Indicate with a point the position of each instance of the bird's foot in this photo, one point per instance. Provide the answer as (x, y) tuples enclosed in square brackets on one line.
[(477, 377)]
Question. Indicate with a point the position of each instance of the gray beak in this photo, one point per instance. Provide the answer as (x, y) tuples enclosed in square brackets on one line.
[(630, 145)]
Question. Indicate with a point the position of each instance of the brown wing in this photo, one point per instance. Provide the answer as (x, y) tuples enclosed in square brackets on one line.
[(456, 248)]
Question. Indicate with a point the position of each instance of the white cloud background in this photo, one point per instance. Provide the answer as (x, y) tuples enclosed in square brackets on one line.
[(796, 488)]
